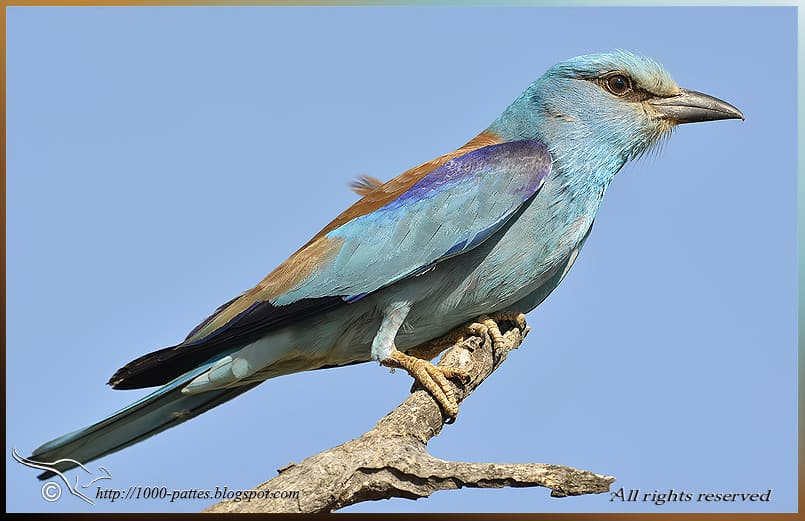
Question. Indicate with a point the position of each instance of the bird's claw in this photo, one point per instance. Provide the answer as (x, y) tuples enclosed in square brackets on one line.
[(488, 325), (431, 377)]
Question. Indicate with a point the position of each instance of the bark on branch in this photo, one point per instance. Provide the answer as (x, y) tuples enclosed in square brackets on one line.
[(391, 460)]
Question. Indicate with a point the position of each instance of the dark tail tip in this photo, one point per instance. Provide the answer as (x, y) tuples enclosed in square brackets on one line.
[(156, 368)]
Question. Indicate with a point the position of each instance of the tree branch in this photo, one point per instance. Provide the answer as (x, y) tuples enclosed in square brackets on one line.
[(391, 460)]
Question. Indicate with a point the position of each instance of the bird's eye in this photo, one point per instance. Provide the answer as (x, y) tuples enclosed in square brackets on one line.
[(618, 84)]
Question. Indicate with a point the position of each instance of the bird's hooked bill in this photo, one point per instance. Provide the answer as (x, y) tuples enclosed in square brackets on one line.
[(690, 106)]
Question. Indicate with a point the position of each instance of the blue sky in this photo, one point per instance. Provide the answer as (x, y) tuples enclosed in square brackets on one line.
[(161, 160)]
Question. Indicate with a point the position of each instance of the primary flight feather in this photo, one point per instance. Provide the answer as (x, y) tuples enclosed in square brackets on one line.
[(488, 229)]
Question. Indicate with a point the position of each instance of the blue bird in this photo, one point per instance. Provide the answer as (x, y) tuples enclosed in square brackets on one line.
[(488, 229)]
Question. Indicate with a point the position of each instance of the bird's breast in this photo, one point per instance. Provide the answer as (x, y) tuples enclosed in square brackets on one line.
[(525, 254), (544, 234)]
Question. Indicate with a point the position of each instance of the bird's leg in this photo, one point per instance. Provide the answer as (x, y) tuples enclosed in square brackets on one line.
[(432, 378)]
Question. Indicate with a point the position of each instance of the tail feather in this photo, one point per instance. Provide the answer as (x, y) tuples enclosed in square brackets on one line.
[(160, 410)]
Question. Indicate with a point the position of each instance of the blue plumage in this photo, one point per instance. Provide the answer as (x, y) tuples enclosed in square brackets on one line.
[(491, 227), (459, 203)]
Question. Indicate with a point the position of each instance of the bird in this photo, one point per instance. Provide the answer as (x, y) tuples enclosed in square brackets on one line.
[(487, 230)]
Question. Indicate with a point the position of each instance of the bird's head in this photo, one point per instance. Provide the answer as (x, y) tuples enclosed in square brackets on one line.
[(608, 108)]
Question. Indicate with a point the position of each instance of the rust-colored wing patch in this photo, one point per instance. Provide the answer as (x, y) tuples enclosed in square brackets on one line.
[(365, 184), (393, 188), (285, 277)]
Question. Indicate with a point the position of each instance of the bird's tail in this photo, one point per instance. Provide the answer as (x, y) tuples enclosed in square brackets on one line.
[(160, 410)]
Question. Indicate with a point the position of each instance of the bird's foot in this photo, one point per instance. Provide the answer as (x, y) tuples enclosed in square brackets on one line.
[(433, 378), (488, 325), (485, 324)]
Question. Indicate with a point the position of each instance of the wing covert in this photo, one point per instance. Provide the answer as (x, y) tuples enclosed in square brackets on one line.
[(451, 210)]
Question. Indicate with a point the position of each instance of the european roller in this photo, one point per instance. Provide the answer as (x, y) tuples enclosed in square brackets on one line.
[(489, 229)]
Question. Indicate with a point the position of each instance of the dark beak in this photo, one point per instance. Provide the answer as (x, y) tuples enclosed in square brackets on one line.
[(690, 106)]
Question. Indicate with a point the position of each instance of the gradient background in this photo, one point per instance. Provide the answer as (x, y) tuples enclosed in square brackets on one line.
[(161, 160)]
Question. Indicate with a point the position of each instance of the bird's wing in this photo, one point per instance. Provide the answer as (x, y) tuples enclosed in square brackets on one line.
[(448, 211)]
